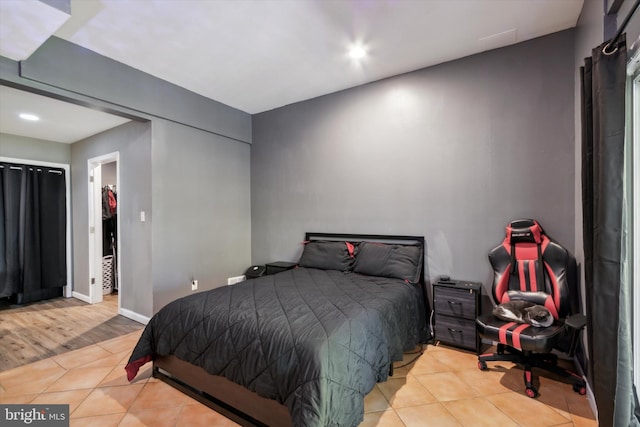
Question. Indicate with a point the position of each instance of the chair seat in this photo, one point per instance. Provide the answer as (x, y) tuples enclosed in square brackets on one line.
[(520, 335)]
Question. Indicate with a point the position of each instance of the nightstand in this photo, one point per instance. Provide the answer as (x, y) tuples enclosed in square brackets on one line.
[(278, 266), (456, 305)]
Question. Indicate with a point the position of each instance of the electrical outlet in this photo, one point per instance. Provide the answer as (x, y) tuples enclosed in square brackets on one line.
[(236, 279), (194, 285)]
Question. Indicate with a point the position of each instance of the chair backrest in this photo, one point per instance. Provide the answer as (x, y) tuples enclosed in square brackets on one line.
[(528, 265)]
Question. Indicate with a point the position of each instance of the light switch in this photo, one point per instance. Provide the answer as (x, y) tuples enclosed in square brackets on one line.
[(142, 217)]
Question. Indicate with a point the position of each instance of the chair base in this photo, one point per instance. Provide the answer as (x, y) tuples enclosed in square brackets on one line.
[(528, 361)]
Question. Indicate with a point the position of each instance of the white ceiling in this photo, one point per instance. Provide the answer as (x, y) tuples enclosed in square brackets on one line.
[(59, 121), (257, 55)]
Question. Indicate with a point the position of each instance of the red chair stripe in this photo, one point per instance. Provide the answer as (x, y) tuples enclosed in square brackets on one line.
[(551, 306), (503, 283), (555, 291), (503, 332), (515, 335)]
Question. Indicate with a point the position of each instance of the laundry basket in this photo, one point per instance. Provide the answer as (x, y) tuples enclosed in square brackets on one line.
[(107, 274)]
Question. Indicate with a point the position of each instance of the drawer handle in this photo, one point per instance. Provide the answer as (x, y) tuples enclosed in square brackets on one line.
[(455, 302), (455, 330)]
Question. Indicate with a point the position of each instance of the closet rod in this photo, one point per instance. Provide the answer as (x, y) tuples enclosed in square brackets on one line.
[(613, 41)]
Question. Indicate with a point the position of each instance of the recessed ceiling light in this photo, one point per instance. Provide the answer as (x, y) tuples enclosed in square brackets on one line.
[(357, 52), (30, 117)]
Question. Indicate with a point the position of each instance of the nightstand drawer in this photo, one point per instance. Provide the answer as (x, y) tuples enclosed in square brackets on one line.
[(454, 302), (460, 332)]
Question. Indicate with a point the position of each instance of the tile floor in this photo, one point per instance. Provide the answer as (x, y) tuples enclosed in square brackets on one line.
[(442, 388)]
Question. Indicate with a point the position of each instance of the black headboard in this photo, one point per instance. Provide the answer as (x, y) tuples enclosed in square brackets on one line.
[(382, 238)]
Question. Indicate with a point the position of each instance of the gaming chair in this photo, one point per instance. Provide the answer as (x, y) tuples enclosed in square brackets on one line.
[(529, 266)]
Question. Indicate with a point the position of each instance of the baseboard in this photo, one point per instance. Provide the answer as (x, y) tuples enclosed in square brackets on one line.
[(121, 311), (81, 297), (133, 316)]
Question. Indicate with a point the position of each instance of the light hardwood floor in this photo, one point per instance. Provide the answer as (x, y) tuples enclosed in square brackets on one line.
[(43, 329)]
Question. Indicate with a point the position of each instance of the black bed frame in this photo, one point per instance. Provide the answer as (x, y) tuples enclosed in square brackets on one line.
[(235, 402)]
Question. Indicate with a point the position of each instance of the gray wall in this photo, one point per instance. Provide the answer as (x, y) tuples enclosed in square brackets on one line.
[(194, 188), (186, 130), (34, 149), (62, 64), (201, 210), (133, 141), (452, 152)]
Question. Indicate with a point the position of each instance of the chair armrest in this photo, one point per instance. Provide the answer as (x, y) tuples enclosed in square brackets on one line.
[(573, 325), (576, 321)]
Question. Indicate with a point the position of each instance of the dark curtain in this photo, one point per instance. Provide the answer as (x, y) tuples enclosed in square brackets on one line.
[(32, 232), (603, 80), (53, 231), (10, 262), (31, 266)]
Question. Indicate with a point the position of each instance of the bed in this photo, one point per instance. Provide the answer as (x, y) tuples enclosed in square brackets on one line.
[(301, 347)]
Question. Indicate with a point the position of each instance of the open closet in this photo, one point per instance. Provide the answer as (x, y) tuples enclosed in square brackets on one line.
[(109, 229)]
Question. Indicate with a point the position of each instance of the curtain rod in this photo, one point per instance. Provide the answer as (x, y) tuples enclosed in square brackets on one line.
[(50, 169), (620, 30)]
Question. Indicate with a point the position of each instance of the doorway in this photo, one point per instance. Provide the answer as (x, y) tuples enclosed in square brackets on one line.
[(104, 233)]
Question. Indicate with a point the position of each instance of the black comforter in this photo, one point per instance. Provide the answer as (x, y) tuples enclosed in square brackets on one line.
[(315, 340)]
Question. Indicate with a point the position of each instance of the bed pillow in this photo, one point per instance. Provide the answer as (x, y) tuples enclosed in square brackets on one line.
[(328, 255), (389, 260)]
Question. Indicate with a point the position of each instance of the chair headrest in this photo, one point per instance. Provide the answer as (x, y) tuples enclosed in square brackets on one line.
[(524, 231)]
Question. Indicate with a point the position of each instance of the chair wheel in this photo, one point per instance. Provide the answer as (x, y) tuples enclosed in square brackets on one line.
[(482, 365), (531, 392), (581, 390)]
